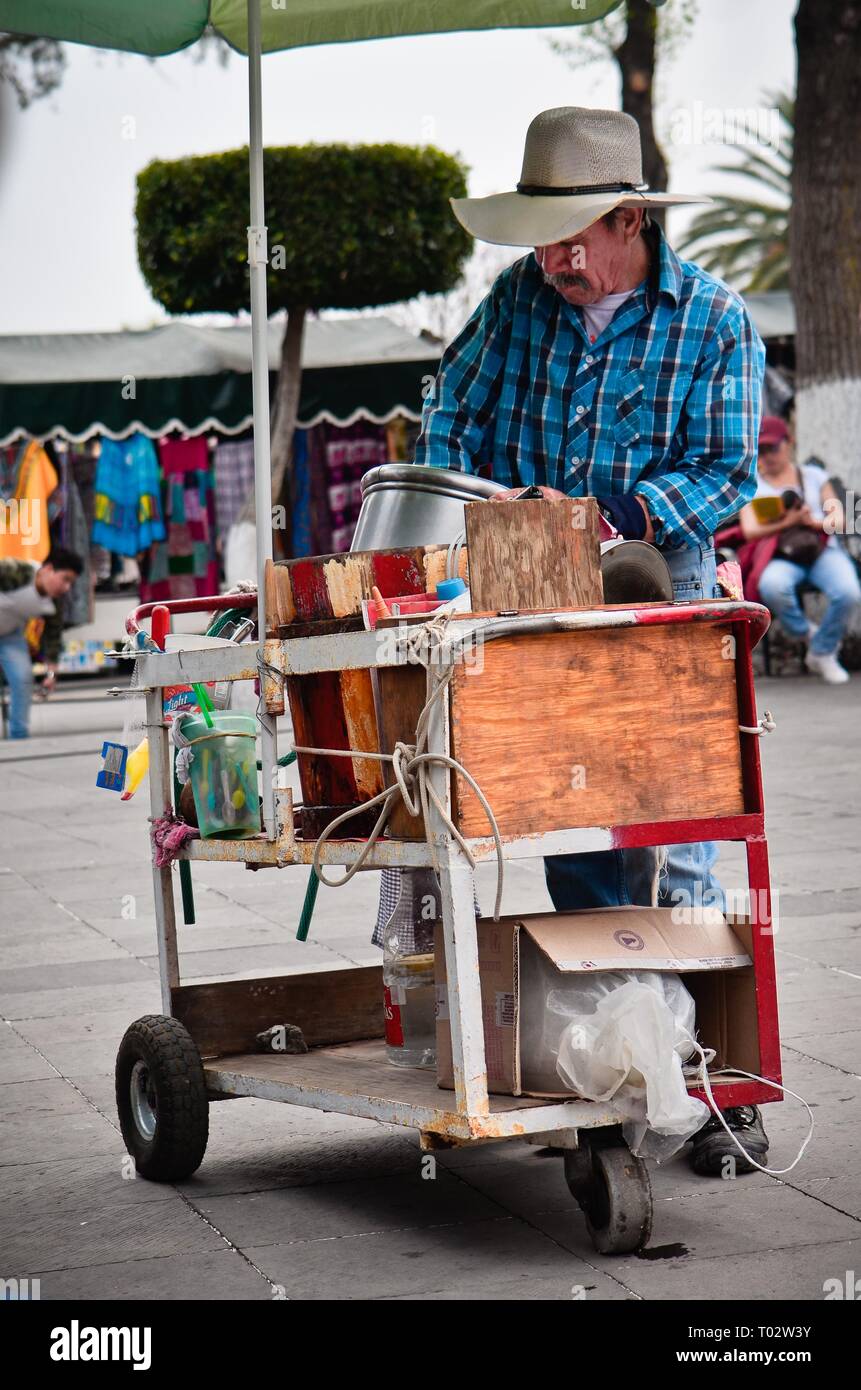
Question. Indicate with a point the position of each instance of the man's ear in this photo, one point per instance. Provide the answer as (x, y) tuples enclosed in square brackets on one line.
[(631, 222)]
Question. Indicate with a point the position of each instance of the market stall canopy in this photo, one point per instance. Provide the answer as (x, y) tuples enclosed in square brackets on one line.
[(165, 26), (773, 314), (188, 377)]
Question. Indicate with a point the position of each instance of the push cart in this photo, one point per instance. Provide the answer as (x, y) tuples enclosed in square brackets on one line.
[(671, 681), (202, 1046)]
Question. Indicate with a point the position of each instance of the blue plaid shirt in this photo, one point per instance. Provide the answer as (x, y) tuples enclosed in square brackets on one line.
[(664, 403)]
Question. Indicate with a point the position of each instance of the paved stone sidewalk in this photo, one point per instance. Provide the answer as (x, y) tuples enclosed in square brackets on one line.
[(322, 1206)]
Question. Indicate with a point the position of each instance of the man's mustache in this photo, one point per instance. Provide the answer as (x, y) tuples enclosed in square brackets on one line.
[(565, 280)]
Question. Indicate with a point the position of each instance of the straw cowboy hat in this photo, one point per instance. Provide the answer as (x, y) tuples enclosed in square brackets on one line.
[(578, 164)]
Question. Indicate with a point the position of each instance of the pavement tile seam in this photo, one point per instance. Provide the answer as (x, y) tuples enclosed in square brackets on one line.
[(832, 1066), (704, 1197), (386, 1231), (600, 1274), (815, 1197), (524, 1219), (237, 1250), (61, 1076), (150, 1259), (105, 936), (810, 960), (235, 902)]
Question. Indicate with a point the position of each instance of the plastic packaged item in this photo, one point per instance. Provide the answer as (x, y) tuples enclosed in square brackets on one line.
[(137, 766), (626, 1038), (408, 971), (223, 774)]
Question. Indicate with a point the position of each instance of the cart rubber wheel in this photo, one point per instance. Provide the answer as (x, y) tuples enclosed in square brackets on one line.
[(613, 1190), (161, 1098)]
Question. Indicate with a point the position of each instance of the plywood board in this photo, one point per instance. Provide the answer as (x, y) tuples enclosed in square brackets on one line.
[(360, 1069), (402, 692), (319, 721), (525, 555), (330, 1006), (319, 587), (361, 720), (608, 727)]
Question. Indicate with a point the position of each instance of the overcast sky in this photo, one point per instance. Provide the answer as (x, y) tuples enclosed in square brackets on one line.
[(67, 166)]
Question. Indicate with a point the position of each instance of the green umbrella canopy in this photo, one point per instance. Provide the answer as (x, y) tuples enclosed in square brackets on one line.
[(165, 26)]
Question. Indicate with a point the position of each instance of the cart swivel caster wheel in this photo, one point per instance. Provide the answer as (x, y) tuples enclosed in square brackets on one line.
[(613, 1190), (161, 1099)]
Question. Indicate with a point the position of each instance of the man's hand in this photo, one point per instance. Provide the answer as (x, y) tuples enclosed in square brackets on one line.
[(550, 494), (49, 680), (629, 514)]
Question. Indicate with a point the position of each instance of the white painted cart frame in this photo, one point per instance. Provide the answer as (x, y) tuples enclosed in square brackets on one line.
[(392, 1095)]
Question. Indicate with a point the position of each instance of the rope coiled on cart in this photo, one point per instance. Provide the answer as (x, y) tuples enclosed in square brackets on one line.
[(411, 763)]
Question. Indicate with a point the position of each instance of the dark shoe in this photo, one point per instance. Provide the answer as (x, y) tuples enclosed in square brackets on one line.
[(712, 1144)]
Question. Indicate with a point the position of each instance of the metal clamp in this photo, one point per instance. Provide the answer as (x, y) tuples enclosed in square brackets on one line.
[(258, 250)]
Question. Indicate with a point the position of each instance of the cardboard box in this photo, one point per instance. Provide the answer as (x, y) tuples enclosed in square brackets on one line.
[(518, 955)]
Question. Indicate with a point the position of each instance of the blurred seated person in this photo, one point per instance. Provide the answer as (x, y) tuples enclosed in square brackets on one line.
[(792, 541)]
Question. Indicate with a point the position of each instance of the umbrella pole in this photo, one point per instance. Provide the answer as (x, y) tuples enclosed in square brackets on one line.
[(258, 257)]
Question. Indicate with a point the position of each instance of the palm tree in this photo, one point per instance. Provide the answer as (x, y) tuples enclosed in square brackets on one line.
[(746, 240)]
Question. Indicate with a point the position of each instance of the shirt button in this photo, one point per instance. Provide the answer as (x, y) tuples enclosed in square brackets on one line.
[(576, 461), (589, 360), (581, 410)]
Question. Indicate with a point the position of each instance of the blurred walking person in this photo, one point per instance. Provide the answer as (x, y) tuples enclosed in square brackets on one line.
[(32, 591)]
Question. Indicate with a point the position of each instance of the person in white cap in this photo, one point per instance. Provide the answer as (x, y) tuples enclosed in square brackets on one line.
[(599, 364)]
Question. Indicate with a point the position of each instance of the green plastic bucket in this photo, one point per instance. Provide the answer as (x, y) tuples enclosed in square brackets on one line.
[(223, 774)]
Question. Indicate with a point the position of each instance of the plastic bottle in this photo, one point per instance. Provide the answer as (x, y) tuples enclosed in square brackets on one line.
[(408, 971)]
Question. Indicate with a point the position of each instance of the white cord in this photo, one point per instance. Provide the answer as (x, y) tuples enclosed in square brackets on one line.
[(410, 765), (737, 1071), (766, 725)]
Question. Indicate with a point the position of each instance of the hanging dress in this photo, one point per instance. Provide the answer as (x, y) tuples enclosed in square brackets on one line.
[(127, 508), (29, 502), (184, 564)]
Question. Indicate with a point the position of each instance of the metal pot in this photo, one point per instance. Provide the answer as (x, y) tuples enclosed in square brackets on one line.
[(406, 504)]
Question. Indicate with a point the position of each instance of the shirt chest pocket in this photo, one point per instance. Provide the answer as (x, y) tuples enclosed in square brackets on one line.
[(664, 394), (627, 423)]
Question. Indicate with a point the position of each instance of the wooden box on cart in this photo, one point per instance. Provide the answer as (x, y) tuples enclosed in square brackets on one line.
[(613, 726)]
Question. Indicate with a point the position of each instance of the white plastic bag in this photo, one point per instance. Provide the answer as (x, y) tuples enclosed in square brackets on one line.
[(628, 1035)]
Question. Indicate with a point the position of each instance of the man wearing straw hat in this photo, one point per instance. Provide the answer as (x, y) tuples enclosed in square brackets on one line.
[(601, 365)]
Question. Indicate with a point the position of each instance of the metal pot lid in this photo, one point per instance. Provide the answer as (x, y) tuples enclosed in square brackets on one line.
[(423, 479), (634, 571)]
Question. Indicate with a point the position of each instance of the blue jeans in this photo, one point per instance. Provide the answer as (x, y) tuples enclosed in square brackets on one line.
[(833, 573), (625, 877), (18, 669)]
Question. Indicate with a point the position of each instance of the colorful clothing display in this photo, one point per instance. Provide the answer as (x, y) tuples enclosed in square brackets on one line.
[(301, 538), (29, 502), (184, 565), (234, 481), (337, 460), (73, 532), (127, 509)]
